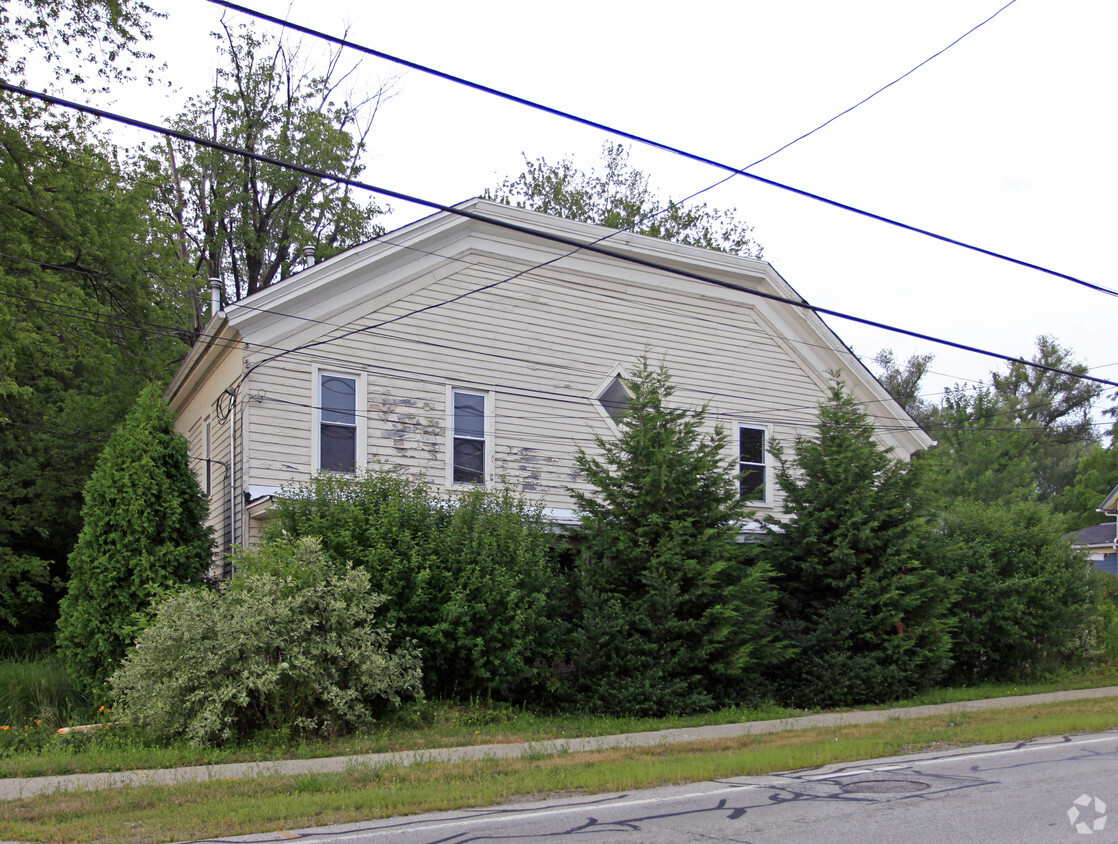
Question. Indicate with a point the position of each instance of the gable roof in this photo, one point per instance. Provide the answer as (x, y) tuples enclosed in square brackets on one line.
[(418, 253)]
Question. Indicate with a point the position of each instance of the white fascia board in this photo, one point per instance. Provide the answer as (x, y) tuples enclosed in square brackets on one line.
[(218, 339), (361, 273)]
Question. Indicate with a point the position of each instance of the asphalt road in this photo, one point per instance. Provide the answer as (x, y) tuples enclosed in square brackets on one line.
[(1054, 789)]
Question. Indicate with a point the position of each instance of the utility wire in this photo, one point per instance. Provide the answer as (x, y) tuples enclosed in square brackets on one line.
[(526, 230), (768, 412), (832, 119), (640, 139), (883, 88)]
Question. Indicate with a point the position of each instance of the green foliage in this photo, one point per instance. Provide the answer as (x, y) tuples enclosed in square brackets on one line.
[(618, 196), (142, 534), (38, 689), (305, 655), (1095, 476), (1022, 591), (77, 282), (1022, 440), (23, 583), (1056, 411), (246, 221), (74, 37), (980, 454), (1103, 643), (669, 616), (860, 604), (471, 580), (903, 383)]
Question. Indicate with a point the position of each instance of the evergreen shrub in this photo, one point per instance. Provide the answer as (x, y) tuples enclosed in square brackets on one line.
[(142, 534), (861, 601), (669, 616)]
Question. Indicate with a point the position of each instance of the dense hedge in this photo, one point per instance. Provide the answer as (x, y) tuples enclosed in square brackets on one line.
[(1023, 594), (472, 579)]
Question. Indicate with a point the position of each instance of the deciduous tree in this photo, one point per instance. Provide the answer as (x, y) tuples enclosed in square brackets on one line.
[(619, 196), (903, 383), (89, 312), (247, 222)]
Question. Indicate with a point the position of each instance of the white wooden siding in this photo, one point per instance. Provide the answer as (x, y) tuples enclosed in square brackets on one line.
[(542, 343)]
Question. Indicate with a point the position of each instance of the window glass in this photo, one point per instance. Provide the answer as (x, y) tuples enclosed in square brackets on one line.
[(337, 443), (469, 415), (469, 439), (338, 448), (615, 399), (751, 463), (338, 399)]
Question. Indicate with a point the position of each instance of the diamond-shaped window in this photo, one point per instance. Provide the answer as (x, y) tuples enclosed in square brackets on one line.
[(614, 399)]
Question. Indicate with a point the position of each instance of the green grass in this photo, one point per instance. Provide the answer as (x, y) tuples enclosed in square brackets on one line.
[(451, 725), (38, 688), (230, 807)]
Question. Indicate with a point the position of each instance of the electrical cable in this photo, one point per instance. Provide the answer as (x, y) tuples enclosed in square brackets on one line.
[(830, 120), (735, 171), (527, 230)]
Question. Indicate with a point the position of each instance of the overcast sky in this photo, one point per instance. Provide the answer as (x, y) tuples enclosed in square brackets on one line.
[(1007, 140)]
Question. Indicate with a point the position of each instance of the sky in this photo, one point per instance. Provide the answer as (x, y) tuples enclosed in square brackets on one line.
[(1004, 141)]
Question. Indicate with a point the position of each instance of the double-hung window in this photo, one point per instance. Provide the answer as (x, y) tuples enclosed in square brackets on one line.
[(337, 423), (469, 451), (751, 463)]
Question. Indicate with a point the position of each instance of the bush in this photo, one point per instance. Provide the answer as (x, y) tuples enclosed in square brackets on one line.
[(1103, 642), (142, 533), (25, 584), (1023, 596), (470, 580), (669, 617), (859, 601), (293, 644)]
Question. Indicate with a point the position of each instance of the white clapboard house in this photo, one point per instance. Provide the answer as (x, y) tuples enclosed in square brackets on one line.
[(464, 350)]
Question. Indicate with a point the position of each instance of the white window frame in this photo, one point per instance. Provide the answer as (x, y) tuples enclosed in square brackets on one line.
[(361, 409), (207, 442), (489, 461), (766, 466), (603, 386)]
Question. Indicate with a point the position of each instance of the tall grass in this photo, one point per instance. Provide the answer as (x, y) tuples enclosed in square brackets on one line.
[(38, 688)]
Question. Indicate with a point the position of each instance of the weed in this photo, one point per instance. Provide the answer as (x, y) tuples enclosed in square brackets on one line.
[(37, 688)]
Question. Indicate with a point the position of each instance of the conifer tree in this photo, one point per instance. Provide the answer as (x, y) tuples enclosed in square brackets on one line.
[(669, 615), (142, 533), (866, 617)]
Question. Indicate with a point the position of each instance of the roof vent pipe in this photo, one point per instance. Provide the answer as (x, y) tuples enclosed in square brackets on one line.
[(215, 296), (308, 255)]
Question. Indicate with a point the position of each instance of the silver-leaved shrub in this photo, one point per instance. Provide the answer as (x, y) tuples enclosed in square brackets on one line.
[(292, 644)]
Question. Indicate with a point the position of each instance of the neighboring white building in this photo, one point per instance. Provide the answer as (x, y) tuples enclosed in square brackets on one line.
[(445, 350)]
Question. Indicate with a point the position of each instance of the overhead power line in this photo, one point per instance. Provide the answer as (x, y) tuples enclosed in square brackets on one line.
[(645, 141), (841, 114), (526, 230)]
